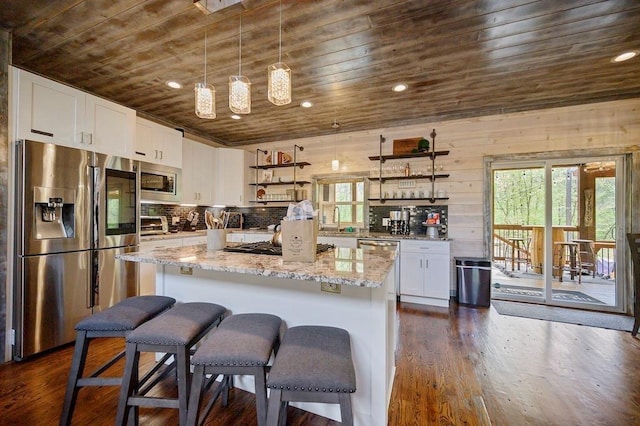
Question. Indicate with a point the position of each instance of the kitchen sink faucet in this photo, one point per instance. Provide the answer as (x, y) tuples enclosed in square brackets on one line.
[(336, 217)]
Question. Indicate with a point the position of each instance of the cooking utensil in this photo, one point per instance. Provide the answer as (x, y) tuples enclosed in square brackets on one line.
[(276, 238), (208, 219)]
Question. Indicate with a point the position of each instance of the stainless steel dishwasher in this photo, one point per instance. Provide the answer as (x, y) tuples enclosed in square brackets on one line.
[(384, 244)]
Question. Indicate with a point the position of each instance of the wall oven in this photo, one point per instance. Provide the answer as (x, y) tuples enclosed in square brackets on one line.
[(160, 183)]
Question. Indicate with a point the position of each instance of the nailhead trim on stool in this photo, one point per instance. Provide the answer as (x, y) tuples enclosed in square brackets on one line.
[(174, 332), (241, 345), (116, 321), (313, 364)]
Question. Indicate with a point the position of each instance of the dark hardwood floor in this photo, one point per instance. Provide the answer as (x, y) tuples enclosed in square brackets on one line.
[(455, 366)]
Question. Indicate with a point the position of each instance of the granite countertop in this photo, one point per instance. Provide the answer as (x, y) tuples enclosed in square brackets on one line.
[(346, 266)]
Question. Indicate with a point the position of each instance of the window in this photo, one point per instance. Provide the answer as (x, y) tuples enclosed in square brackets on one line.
[(345, 196)]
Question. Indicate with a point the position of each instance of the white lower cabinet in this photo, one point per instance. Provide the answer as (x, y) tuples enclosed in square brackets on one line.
[(425, 272)]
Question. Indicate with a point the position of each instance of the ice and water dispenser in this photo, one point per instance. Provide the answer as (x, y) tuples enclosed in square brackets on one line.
[(55, 213)]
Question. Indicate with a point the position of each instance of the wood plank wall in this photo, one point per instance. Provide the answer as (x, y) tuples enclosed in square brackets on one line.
[(599, 126)]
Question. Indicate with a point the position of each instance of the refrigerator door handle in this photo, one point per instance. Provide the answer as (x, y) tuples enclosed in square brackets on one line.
[(94, 291), (95, 231)]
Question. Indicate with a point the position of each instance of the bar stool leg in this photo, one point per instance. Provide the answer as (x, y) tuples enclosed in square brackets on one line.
[(345, 409), (274, 413), (261, 396), (128, 385), (77, 367), (182, 367)]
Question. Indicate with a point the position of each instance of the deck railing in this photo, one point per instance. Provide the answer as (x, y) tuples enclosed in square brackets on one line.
[(504, 237)]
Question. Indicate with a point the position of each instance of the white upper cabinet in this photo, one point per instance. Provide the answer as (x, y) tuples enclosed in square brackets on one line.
[(157, 144), (230, 177), (47, 111), (111, 127), (198, 173)]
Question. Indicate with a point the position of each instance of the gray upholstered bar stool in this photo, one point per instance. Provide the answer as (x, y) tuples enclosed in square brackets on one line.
[(241, 345), (116, 321), (313, 365), (173, 332)]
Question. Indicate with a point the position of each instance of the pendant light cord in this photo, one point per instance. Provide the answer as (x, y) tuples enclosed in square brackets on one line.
[(205, 57), (280, 36), (240, 49)]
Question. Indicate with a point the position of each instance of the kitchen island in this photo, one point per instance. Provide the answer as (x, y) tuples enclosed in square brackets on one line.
[(347, 288)]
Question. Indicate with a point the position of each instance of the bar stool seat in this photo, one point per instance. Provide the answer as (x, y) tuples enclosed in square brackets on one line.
[(174, 332), (241, 345), (116, 321), (313, 364)]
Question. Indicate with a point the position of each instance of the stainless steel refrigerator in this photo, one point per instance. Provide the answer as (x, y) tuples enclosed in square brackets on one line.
[(75, 210)]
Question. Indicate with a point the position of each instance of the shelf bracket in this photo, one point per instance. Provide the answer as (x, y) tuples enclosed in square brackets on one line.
[(258, 151)]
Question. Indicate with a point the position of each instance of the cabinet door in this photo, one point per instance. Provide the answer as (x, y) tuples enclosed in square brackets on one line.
[(203, 166), (437, 273), (198, 173), (49, 111), (189, 191), (412, 273), (110, 128), (230, 184), (169, 145), (143, 147)]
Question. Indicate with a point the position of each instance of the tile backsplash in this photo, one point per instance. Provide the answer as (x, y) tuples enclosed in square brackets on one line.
[(253, 217), (261, 217), (418, 214)]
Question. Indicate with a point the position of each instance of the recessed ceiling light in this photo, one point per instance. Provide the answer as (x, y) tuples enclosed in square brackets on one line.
[(235, 117), (400, 87), (306, 104), (174, 84), (625, 56)]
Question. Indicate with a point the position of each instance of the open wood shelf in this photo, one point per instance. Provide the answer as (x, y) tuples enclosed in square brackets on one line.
[(384, 178), (430, 154), (265, 184), (433, 200), (300, 164)]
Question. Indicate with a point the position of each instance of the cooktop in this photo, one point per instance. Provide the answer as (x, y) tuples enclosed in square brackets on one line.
[(265, 247)]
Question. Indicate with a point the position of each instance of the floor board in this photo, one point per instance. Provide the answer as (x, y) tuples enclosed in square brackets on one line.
[(455, 366)]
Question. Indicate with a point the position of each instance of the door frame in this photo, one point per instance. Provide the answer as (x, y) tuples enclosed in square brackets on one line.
[(629, 198)]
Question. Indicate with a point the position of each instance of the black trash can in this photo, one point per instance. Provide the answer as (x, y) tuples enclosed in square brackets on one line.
[(474, 281)]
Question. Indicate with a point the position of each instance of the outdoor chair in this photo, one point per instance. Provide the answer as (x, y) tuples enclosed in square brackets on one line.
[(634, 247)]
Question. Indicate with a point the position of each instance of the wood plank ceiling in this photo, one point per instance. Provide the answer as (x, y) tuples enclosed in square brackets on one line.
[(460, 58)]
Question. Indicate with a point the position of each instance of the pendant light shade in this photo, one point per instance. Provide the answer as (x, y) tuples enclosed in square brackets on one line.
[(279, 76), (239, 94), (279, 84), (335, 165), (240, 86), (205, 94)]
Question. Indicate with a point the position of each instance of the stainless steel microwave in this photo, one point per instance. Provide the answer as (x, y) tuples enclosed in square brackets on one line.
[(160, 183)]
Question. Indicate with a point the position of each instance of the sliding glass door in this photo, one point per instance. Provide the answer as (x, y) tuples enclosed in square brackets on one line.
[(554, 231)]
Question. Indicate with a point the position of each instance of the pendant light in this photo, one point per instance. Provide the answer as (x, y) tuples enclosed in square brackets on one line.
[(240, 86), (205, 93), (279, 92), (335, 163)]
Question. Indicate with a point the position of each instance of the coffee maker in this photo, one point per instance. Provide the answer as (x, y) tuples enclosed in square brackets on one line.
[(399, 222)]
